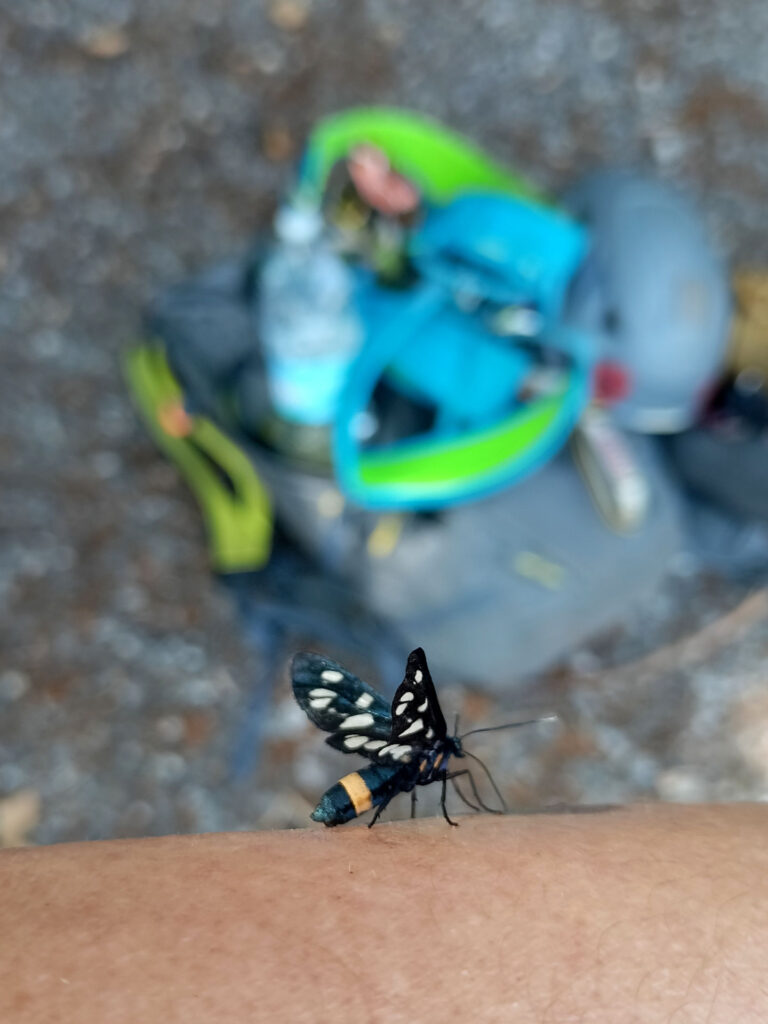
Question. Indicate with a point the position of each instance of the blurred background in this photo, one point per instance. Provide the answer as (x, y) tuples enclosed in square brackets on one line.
[(141, 144)]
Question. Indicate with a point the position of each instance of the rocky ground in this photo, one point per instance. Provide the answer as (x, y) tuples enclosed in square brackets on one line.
[(141, 141)]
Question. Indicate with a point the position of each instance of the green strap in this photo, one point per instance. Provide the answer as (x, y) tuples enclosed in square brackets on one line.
[(440, 162), (461, 458), (239, 523)]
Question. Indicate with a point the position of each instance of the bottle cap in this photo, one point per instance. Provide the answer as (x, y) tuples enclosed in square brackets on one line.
[(298, 225)]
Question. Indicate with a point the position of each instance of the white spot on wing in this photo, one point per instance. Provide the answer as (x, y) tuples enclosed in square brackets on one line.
[(320, 691), (353, 742), (375, 744), (416, 726), (418, 675), (400, 708), (357, 721), (320, 702), (331, 675), (364, 700), (424, 706), (407, 695), (397, 751), (430, 733)]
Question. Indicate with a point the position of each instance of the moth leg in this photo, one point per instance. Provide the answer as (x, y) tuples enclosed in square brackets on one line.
[(379, 809), (473, 787), (445, 778), (460, 794), (413, 803)]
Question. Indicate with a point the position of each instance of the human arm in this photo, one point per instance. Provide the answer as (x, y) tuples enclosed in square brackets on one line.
[(654, 913)]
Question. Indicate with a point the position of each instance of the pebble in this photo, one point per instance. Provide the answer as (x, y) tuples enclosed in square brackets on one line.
[(287, 720), (168, 768), (268, 57), (128, 756), (310, 772), (199, 809), (106, 465), (278, 144), (106, 43), (668, 145), (13, 684), (197, 693), (136, 818), (170, 729), (130, 598), (289, 15), (12, 777), (19, 815), (605, 44), (681, 785)]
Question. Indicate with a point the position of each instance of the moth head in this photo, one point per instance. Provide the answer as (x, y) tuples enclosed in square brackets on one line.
[(455, 748)]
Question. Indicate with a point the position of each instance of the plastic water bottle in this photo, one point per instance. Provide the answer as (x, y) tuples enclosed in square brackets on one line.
[(309, 328)]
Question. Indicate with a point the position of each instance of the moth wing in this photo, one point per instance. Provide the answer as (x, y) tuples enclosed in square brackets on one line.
[(332, 697), (357, 717), (417, 718)]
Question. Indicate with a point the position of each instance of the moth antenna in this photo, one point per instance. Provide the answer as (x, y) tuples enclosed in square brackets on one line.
[(456, 725), (496, 789), (510, 725)]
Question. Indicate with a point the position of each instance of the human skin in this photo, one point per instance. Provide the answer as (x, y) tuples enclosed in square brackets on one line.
[(656, 913)]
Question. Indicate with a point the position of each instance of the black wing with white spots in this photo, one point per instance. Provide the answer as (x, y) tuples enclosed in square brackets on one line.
[(358, 718), (417, 720)]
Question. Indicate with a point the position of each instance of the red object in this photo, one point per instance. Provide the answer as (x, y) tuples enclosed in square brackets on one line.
[(175, 420), (379, 185), (611, 382)]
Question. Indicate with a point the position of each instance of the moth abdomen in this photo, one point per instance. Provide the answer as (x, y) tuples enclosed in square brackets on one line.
[(357, 793)]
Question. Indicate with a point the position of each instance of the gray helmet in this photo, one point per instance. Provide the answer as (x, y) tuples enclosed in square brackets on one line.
[(654, 292)]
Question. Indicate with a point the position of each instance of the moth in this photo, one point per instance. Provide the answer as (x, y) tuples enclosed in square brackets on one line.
[(407, 744)]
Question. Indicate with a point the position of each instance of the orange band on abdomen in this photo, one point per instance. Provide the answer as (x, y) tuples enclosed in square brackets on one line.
[(357, 791)]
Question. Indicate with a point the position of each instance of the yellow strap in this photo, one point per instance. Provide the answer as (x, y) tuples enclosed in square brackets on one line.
[(749, 335)]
